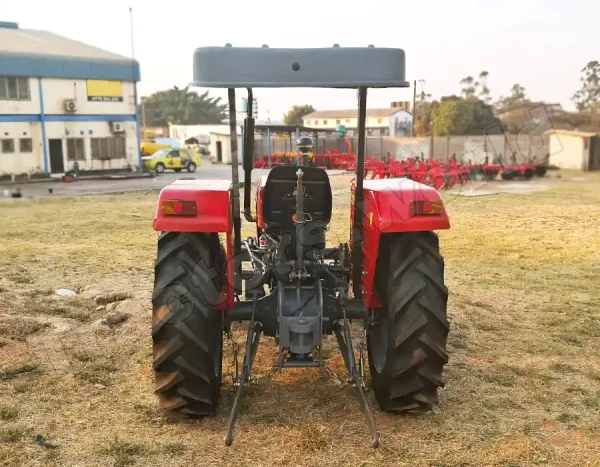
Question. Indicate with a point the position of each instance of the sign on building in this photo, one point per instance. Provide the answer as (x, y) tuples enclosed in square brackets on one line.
[(404, 105), (101, 90)]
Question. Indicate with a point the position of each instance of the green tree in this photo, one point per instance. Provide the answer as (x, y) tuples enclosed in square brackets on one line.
[(182, 107), (517, 93), (469, 87), (423, 114), (458, 116), (517, 98), (588, 97), (484, 92), (295, 114)]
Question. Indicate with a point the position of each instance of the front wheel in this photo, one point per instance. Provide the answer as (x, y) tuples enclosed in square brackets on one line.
[(407, 341), (160, 168), (191, 168)]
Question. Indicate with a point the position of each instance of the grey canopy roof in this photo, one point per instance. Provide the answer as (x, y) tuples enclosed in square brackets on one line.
[(333, 67)]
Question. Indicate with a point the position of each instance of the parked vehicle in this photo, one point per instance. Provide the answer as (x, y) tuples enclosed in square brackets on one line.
[(150, 147), (174, 159)]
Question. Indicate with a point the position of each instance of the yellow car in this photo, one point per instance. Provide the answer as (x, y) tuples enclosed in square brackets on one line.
[(175, 159)]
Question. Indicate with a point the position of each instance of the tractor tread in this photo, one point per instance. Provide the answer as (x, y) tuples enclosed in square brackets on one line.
[(187, 329), (410, 282)]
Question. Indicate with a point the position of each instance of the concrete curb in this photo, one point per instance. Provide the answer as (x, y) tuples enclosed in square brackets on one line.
[(83, 178)]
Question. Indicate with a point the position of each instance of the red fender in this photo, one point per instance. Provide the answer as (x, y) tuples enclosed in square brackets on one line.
[(213, 214), (387, 210), (212, 199)]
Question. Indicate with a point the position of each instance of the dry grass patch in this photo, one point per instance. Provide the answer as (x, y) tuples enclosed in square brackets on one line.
[(521, 386), (12, 372), (17, 328), (8, 413), (13, 433), (37, 305)]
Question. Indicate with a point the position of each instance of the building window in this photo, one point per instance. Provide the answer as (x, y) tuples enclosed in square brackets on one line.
[(12, 88), (347, 120), (324, 122), (75, 149), (379, 120), (8, 146), (337, 122), (108, 148), (25, 145)]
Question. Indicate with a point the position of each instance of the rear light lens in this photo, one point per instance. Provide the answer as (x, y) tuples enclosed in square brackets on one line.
[(177, 207), (426, 208)]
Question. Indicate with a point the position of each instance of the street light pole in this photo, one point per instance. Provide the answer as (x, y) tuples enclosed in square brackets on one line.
[(414, 108)]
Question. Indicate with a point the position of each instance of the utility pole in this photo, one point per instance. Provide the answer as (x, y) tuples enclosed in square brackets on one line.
[(143, 118), (135, 92), (414, 108)]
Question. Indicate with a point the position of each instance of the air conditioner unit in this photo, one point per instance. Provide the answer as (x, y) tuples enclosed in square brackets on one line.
[(117, 127), (70, 105)]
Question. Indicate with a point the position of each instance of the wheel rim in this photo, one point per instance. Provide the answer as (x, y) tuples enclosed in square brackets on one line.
[(160, 168), (192, 168)]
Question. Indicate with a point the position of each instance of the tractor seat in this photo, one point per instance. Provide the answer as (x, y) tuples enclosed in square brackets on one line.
[(279, 201)]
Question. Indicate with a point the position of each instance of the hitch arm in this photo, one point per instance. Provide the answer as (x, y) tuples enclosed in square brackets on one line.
[(252, 340), (345, 343)]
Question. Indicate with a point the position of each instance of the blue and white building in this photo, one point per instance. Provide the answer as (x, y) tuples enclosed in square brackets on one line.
[(62, 102)]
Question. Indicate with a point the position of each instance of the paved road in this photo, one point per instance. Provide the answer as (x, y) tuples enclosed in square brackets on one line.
[(88, 187)]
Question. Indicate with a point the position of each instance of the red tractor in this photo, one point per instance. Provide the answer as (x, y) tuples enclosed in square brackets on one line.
[(287, 283)]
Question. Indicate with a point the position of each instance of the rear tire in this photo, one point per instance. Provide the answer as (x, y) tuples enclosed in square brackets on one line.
[(407, 342), (160, 168), (187, 328), (191, 168)]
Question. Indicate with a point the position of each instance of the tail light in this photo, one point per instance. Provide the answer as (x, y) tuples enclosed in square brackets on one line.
[(177, 207), (426, 208)]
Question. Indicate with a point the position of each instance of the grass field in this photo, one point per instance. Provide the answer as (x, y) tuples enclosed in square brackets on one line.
[(522, 385)]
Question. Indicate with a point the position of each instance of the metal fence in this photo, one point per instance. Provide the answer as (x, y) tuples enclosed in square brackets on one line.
[(441, 148)]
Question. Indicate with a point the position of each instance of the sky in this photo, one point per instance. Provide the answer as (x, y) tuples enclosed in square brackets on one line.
[(542, 45)]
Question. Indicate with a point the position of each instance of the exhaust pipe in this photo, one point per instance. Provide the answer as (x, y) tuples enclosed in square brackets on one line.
[(248, 159)]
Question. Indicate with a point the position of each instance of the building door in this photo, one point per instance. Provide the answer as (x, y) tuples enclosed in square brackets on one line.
[(219, 151), (594, 163), (57, 164)]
